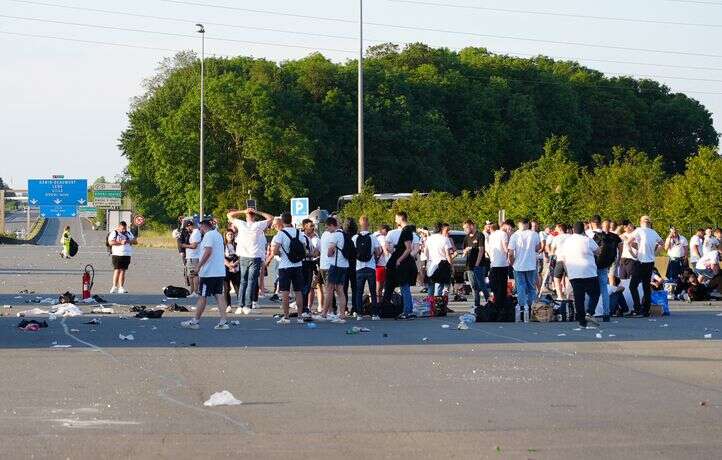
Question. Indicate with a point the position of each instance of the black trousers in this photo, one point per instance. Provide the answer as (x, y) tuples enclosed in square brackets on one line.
[(232, 279), (642, 274), (351, 281), (498, 277), (582, 288)]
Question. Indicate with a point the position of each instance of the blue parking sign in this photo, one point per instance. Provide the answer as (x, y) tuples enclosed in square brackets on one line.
[(299, 207)]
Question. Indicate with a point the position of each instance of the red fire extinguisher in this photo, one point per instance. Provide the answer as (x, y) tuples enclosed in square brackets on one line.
[(88, 278)]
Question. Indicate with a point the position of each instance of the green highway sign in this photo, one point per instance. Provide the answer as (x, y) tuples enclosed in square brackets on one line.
[(108, 194), (87, 211)]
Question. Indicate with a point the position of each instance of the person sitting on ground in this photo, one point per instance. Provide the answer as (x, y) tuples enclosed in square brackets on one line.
[(707, 266), (657, 281), (696, 291)]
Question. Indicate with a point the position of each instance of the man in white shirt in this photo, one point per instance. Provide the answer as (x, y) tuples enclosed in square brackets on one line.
[(577, 252), (707, 267), (334, 268), (212, 271), (498, 250), (251, 250), (368, 250), (121, 243), (438, 250), (695, 246), (290, 265), (676, 246), (193, 255), (382, 259), (710, 241), (646, 242), (524, 245), (311, 278)]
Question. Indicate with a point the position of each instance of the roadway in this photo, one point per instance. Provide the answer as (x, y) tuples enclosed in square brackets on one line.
[(17, 221)]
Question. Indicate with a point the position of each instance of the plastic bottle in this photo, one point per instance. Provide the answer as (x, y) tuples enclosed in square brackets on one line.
[(526, 313), (517, 313)]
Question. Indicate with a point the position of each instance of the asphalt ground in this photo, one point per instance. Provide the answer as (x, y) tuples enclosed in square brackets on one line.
[(406, 389), (17, 221)]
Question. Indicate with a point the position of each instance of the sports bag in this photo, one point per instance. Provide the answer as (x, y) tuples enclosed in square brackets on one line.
[(296, 251), (364, 248), (608, 249), (174, 292), (73, 248)]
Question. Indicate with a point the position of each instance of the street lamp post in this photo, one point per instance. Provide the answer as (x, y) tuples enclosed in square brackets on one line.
[(202, 31), (361, 99)]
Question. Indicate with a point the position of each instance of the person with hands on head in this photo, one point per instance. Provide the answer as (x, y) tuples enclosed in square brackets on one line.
[(121, 243), (251, 250)]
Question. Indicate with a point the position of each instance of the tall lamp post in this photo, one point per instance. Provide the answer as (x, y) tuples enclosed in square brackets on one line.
[(202, 31), (361, 99)]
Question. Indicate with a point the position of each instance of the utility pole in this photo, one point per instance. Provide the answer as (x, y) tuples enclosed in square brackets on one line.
[(361, 99), (202, 31)]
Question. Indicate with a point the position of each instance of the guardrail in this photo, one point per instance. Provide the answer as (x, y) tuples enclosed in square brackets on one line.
[(32, 237)]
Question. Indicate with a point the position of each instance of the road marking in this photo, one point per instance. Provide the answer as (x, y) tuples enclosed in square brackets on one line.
[(82, 233)]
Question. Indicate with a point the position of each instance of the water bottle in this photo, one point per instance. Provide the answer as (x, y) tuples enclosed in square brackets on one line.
[(526, 313), (517, 313)]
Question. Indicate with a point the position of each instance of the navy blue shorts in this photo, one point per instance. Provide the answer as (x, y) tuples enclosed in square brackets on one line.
[(337, 275), (210, 287), (289, 276)]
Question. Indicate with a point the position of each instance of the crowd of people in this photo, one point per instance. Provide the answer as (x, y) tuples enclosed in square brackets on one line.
[(325, 277)]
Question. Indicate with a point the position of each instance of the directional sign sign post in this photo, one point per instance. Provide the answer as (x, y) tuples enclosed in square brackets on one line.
[(299, 209), (50, 211), (87, 211), (65, 192), (107, 195)]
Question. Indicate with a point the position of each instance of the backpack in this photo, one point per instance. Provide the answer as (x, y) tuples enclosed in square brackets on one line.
[(108, 246), (608, 253), (296, 251), (393, 308), (73, 248), (364, 247), (173, 292), (348, 250)]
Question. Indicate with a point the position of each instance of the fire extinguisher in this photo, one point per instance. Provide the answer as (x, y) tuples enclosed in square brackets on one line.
[(88, 278)]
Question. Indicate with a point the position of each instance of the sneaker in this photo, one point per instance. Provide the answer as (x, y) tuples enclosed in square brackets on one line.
[(190, 324), (246, 310), (293, 306), (122, 290), (591, 320), (229, 309), (338, 320), (113, 290), (192, 295), (305, 314), (319, 318), (283, 321), (221, 326), (375, 318), (254, 305)]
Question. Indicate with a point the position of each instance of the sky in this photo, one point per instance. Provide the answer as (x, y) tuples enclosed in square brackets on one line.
[(65, 102)]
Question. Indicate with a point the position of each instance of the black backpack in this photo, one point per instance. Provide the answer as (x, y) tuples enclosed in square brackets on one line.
[(348, 250), (173, 292), (609, 247), (296, 250), (364, 247)]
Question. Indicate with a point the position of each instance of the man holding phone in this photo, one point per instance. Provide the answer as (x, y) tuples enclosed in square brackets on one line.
[(251, 249)]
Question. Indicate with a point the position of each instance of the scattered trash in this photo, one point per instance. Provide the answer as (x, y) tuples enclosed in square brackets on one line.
[(126, 337), (425, 339), (61, 346), (31, 328), (462, 326), (214, 309), (68, 310), (25, 323), (577, 329), (467, 318), (99, 299), (101, 310), (385, 335), (66, 297), (652, 320), (599, 336), (7, 306), (25, 291), (664, 325), (708, 336), (88, 300), (445, 326), (145, 318), (703, 403), (176, 307), (718, 314), (235, 322), (153, 328), (93, 321), (611, 335), (52, 317), (222, 398), (75, 330), (561, 335), (311, 325), (32, 312), (192, 344), (49, 301), (152, 314)]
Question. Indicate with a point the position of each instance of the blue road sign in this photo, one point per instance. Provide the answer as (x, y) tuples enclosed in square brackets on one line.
[(299, 207), (55, 211), (67, 192)]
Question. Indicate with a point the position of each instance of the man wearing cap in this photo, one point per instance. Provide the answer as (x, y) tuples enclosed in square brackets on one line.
[(251, 250), (192, 255), (646, 242)]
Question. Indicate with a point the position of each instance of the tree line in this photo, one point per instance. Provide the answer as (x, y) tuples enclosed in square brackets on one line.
[(436, 120)]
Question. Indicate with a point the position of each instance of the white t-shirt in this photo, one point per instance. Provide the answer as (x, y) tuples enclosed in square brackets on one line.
[(647, 240), (374, 246), (707, 260), (315, 245), (123, 250), (392, 239), (542, 239), (215, 265), (282, 240), (251, 238), (695, 241), (627, 251), (437, 249), (495, 249), (577, 252), (195, 237), (524, 244), (710, 244), (337, 259), (382, 244), (676, 247), (557, 242)]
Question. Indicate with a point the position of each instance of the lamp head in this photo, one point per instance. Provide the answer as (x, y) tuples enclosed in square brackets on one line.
[(201, 29)]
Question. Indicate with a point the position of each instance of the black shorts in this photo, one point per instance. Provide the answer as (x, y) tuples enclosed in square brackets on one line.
[(559, 270), (121, 262), (210, 287), (290, 276), (337, 275)]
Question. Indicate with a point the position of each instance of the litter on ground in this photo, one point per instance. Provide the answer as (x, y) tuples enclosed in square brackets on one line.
[(708, 336), (222, 398), (68, 310), (101, 310), (126, 337)]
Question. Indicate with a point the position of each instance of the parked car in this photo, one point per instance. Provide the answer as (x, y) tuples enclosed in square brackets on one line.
[(457, 236)]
